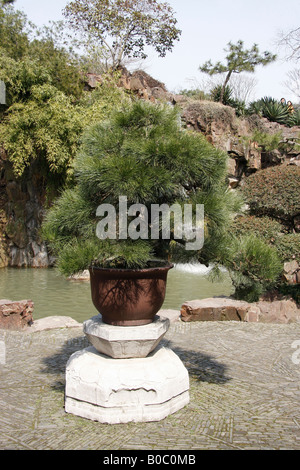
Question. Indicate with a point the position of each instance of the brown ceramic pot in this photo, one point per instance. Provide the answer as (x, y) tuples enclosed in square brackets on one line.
[(128, 297)]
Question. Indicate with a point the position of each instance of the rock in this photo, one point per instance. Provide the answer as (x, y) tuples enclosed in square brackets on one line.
[(16, 315), (271, 158), (53, 322), (290, 272), (233, 182), (227, 309), (216, 121), (172, 315), (214, 309), (93, 80), (278, 311), (297, 223), (82, 276), (232, 167)]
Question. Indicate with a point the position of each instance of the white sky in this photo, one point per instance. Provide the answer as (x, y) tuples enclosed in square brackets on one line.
[(207, 26)]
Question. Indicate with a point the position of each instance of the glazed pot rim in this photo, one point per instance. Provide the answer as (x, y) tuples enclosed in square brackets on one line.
[(164, 267)]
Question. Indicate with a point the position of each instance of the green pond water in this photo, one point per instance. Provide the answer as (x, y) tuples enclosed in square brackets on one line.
[(52, 294)]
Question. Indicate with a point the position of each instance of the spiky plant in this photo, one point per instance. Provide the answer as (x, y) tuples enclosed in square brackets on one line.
[(227, 97), (271, 109)]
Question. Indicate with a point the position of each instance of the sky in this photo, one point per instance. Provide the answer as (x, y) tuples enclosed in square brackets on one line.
[(207, 27)]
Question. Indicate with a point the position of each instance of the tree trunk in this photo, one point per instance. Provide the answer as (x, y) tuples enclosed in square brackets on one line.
[(224, 85)]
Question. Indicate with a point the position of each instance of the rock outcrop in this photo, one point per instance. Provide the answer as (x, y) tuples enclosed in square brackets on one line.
[(138, 82), (16, 315), (21, 213), (228, 309), (233, 135)]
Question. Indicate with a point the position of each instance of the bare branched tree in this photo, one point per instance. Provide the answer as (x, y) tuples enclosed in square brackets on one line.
[(291, 42), (293, 82)]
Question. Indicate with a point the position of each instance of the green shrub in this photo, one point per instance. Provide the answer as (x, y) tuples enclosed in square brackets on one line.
[(274, 192), (196, 94), (253, 265), (288, 246), (265, 227), (227, 97), (273, 232), (268, 142), (294, 119)]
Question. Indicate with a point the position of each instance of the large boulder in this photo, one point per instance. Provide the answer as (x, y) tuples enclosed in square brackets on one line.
[(214, 309), (228, 309)]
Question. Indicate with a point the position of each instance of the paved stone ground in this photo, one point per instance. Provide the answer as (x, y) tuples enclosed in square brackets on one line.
[(244, 392)]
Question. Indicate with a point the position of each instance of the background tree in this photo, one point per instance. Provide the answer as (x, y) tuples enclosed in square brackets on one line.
[(125, 27), (238, 60), (291, 42), (293, 82), (46, 106)]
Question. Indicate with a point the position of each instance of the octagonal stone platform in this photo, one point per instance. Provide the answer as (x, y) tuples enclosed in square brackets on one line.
[(121, 342), (125, 390)]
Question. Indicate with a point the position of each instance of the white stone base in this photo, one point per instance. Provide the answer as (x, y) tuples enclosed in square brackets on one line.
[(127, 342), (125, 390)]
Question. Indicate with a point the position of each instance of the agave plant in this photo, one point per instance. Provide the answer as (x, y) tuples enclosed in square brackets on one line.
[(227, 97), (255, 108), (274, 110)]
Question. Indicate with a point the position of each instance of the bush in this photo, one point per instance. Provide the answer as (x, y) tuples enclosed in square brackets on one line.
[(195, 94), (253, 265), (45, 125), (273, 232), (268, 142), (265, 227), (294, 119), (288, 246), (274, 192)]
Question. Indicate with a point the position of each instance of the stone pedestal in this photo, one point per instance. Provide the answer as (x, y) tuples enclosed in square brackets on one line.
[(127, 342), (125, 376)]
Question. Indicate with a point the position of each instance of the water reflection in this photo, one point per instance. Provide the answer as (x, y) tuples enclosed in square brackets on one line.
[(52, 294)]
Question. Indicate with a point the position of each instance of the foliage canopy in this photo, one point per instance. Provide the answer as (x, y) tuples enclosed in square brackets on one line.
[(125, 27), (141, 153)]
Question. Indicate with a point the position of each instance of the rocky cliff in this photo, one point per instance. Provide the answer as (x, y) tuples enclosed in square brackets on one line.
[(22, 205)]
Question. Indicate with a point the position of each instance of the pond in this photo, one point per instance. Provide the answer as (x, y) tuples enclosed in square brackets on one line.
[(53, 294)]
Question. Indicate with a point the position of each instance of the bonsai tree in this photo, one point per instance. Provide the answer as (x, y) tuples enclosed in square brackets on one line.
[(143, 155)]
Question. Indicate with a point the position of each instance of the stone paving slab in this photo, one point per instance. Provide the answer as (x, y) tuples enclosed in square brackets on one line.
[(244, 392)]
